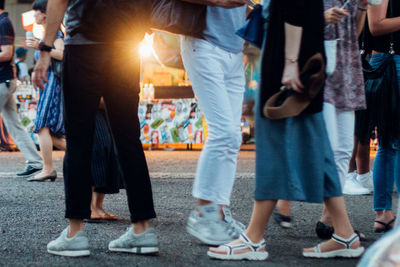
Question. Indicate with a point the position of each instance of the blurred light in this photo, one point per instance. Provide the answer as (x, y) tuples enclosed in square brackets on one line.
[(28, 20), (38, 31), (146, 46)]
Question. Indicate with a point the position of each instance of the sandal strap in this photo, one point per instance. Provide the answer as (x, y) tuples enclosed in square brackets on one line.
[(346, 242), (249, 244), (232, 248)]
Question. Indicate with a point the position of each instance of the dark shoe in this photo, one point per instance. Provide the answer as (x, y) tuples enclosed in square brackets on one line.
[(52, 176), (386, 226), (29, 170), (283, 221), (325, 232)]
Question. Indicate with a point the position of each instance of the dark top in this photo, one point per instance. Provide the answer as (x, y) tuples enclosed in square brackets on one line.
[(7, 36), (91, 22), (382, 43), (307, 14)]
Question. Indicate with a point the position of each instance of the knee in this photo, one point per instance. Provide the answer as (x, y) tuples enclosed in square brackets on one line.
[(228, 137)]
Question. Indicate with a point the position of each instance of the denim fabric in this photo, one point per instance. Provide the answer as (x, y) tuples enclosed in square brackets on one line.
[(387, 161)]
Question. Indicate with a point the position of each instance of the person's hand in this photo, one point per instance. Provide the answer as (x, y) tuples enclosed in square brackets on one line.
[(228, 3), (40, 72), (290, 77), (32, 43), (335, 14), (363, 3)]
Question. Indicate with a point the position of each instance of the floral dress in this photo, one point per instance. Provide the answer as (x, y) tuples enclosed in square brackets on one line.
[(345, 87)]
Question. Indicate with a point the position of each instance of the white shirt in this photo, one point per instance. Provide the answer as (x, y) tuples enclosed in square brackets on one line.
[(23, 70)]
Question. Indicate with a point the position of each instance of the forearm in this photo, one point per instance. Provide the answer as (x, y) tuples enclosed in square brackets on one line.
[(56, 54), (293, 36), (384, 26), (360, 21), (55, 14), (58, 51), (5, 56), (378, 22)]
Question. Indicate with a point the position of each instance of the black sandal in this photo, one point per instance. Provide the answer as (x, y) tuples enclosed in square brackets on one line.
[(284, 221), (324, 231), (386, 226)]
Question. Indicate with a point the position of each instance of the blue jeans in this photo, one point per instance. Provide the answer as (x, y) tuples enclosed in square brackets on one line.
[(387, 161)]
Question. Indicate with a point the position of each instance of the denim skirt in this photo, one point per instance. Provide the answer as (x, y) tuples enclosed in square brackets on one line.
[(294, 160)]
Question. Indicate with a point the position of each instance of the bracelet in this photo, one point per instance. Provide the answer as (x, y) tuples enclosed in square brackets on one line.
[(293, 59), (362, 9)]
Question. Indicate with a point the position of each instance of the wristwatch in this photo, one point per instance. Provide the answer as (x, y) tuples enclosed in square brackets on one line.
[(44, 48)]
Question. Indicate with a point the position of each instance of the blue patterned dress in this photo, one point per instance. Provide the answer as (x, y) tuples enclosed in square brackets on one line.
[(50, 105)]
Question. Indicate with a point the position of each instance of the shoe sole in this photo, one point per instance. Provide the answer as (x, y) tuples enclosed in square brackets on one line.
[(356, 194), (70, 253), (206, 241), (341, 253), (29, 175), (136, 250), (252, 256), (285, 225)]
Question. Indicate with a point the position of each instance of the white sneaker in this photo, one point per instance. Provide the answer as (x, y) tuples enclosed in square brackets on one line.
[(351, 175), (366, 180), (209, 228), (353, 187)]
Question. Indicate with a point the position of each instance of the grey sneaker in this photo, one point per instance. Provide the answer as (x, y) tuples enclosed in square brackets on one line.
[(144, 243), (210, 229), (237, 226), (76, 246)]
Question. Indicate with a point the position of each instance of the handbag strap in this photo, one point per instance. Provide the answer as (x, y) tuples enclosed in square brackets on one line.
[(391, 47)]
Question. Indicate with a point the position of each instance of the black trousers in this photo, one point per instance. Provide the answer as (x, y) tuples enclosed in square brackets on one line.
[(111, 71)]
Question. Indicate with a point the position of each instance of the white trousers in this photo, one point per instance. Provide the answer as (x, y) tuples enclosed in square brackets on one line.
[(8, 111), (340, 127), (218, 81)]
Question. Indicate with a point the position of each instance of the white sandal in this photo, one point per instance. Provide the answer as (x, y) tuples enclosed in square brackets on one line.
[(255, 252), (348, 252)]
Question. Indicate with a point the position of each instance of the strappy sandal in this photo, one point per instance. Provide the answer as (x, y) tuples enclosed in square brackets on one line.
[(255, 252), (347, 252), (386, 226), (324, 231)]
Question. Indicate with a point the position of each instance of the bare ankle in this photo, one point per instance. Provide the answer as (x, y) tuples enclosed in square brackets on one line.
[(140, 227)]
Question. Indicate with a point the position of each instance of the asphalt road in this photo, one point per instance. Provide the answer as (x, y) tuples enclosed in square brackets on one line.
[(32, 214)]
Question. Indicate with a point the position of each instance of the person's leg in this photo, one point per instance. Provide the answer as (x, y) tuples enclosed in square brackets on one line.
[(8, 110), (345, 142), (352, 162), (46, 149), (97, 204), (82, 81), (262, 212), (121, 97), (59, 142), (363, 157), (341, 223), (283, 207), (383, 177), (217, 164)]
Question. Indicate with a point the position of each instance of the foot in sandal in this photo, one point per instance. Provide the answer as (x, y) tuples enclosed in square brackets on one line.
[(240, 249), (336, 247), (383, 227)]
